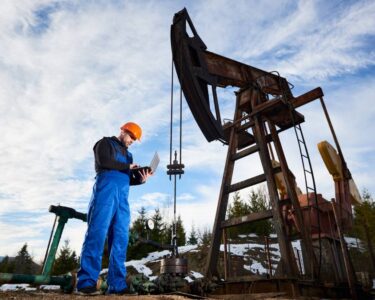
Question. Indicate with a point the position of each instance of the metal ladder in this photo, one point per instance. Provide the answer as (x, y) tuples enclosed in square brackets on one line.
[(309, 173)]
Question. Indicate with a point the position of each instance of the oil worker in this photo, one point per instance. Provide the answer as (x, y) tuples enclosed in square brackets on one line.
[(109, 213)]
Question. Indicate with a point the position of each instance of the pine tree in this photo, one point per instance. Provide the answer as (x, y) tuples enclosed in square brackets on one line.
[(137, 250), (137, 229), (364, 224), (193, 237), (138, 225), (257, 203), (167, 234), (205, 237), (180, 232), (238, 209), (157, 232), (6, 266), (66, 261), (23, 262)]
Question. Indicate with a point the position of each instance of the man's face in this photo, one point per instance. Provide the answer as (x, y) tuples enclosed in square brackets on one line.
[(127, 139)]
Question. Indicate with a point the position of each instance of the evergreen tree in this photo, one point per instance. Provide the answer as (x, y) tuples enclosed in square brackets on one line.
[(257, 203), (137, 229), (138, 226), (137, 250), (66, 261), (167, 234), (238, 208), (157, 232), (193, 237), (180, 232), (205, 237), (23, 262), (6, 266), (364, 224)]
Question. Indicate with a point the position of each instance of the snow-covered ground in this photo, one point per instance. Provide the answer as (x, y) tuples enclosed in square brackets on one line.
[(140, 265), (26, 287), (17, 287), (239, 249)]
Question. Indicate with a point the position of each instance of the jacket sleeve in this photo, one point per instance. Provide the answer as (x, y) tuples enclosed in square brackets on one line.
[(135, 178), (105, 157)]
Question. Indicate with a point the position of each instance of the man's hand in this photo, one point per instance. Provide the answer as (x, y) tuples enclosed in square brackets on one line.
[(145, 174), (133, 166)]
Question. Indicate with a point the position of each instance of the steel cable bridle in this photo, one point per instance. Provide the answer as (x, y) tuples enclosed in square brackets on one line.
[(171, 124), (175, 167)]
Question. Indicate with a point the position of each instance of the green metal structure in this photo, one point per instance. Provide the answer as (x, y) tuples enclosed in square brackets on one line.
[(66, 282), (63, 214)]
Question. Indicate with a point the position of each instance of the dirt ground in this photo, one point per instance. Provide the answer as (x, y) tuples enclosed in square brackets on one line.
[(52, 296), (22, 295)]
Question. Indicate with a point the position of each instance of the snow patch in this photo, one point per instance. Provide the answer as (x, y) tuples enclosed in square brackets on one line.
[(140, 265), (256, 268), (17, 287), (196, 274), (193, 275), (49, 287)]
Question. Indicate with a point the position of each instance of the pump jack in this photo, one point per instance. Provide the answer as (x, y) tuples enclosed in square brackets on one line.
[(265, 106)]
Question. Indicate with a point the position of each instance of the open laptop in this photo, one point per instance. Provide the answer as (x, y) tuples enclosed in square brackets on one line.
[(153, 164)]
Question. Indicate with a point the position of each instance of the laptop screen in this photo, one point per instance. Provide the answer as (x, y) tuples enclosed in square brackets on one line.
[(155, 162)]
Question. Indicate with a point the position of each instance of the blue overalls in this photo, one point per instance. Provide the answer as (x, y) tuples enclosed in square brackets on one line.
[(109, 214)]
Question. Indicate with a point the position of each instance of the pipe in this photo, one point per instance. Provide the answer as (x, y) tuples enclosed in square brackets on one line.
[(65, 281), (48, 264)]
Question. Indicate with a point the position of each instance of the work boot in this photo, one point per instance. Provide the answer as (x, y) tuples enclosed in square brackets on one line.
[(88, 291)]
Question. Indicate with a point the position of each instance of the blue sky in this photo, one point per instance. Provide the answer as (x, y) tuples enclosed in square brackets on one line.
[(74, 71)]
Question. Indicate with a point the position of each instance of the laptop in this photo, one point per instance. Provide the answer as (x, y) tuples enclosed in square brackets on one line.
[(153, 164)]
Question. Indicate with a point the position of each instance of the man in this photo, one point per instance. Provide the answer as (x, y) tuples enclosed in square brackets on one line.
[(109, 213)]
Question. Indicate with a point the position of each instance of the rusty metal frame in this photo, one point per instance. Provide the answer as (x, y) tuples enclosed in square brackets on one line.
[(263, 98)]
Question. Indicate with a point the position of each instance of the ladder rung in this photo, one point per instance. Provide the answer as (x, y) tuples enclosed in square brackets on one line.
[(246, 183), (245, 152), (310, 188), (304, 156), (301, 141), (307, 171), (249, 182)]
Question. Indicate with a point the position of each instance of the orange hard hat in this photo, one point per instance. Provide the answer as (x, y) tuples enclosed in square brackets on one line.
[(134, 129)]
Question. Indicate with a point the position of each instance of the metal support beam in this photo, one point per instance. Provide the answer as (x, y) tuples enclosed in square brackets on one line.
[(287, 257), (310, 263), (257, 216), (213, 254)]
